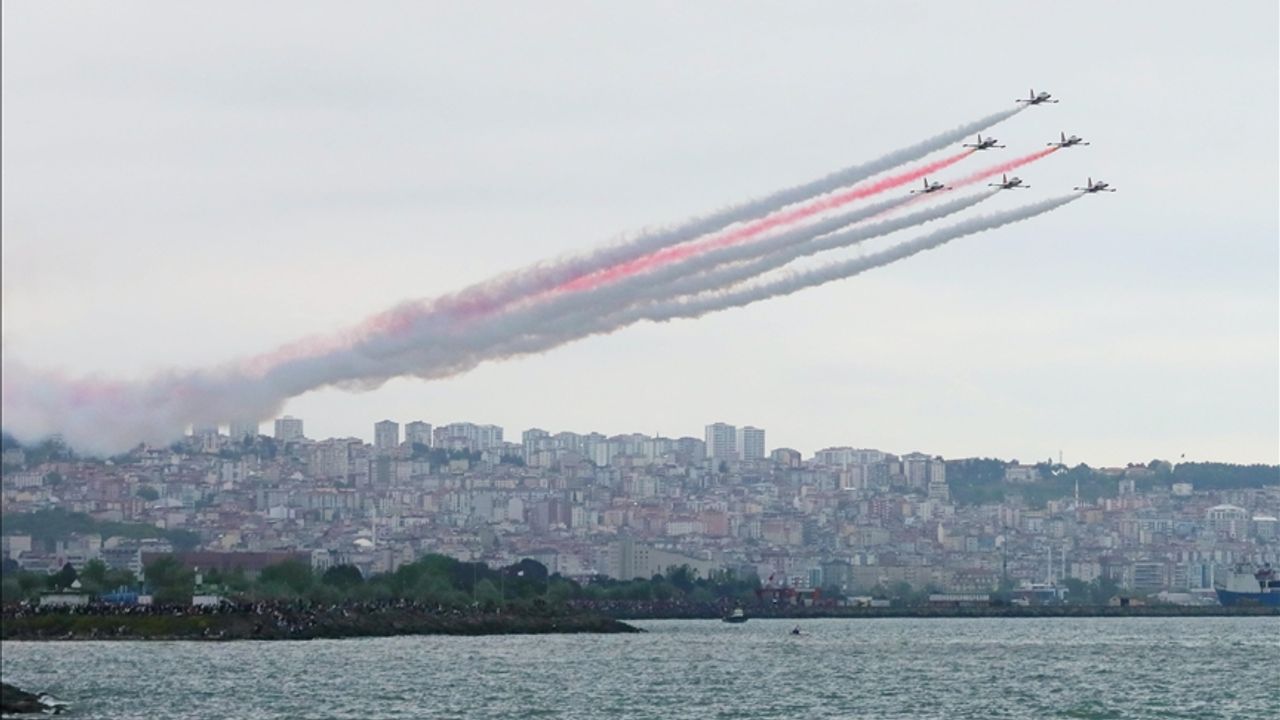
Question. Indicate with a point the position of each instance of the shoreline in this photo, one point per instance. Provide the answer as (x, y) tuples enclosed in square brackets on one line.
[(1011, 612), (398, 622), (73, 627)]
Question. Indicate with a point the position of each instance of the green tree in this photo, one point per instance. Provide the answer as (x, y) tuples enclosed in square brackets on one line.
[(293, 574), (149, 494), (94, 575), (48, 525), (170, 581), (63, 578), (702, 595), (327, 594), (29, 583), (342, 577), (1077, 591), (559, 591), (438, 589), (682, 577), (487, 592), (118, 578), (11, 590), (1103, 589), (273, 590)]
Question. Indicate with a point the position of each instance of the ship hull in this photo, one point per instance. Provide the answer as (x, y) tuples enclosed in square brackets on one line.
[(1229, 598)]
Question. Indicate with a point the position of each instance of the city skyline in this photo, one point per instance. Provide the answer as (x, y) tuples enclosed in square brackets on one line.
[(294, 429), (634, 506)]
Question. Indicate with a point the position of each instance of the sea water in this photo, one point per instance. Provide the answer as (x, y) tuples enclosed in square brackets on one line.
[(883, 668)]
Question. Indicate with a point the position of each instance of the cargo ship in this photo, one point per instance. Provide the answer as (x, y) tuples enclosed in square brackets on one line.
[(1242, 588)]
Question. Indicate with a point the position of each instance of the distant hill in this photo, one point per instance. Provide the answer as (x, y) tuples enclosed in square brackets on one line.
[(982, 480), (47, 525)]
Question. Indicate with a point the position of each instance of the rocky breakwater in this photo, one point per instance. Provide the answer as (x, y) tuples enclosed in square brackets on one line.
[(15, 701), (289, 621)]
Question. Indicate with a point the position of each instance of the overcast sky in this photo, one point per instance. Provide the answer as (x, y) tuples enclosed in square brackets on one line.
[(185, 185)]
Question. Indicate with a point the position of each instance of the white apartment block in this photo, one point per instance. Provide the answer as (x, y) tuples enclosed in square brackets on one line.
[(288, 428), (751, 443), (418, 432), (241, 429), (722, 441), (386, 435)]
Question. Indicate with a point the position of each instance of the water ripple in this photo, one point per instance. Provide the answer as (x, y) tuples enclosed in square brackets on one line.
[(1099, 668)]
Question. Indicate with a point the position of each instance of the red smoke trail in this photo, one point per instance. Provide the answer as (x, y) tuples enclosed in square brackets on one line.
[(750, 230), (1002, 168), (913, 200), (394, 322), (399, 320)]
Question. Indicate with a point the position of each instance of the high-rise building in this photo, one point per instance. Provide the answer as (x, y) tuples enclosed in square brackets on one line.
[(288, 428), (722, 441), (568, 441), (488, 436), (203, 430), (468, 436), (915, 467), (533, 440), (332, 459), (386, 435), (751, 443), (691, 450), (418, 433), (241, 429)]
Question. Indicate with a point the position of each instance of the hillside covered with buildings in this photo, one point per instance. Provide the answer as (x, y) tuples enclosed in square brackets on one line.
[(844, 519)]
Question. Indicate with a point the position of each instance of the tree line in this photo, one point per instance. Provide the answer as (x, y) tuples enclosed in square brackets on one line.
[(436, 579)]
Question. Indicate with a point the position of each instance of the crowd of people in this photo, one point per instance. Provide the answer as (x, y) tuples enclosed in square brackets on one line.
[(244, 619)]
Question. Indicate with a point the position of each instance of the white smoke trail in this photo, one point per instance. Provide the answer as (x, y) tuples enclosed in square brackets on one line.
[(434, 349), (705, 293), (699, 305), (107, 416), (513, 286), (723, 268)]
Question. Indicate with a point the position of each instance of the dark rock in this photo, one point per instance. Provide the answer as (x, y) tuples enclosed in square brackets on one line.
[(16, 701), (13, 700)]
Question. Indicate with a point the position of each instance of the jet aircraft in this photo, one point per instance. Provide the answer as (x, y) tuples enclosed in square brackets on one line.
[(990, 142), (929, 187), (1067, 142), (1035, 99), (1093, 187), (1009, 183)]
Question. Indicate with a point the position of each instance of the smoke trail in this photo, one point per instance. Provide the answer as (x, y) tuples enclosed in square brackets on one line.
[(494, 294), (1003, 167), (110, 416), (439, 346), (699, 304), (736, 264), (103, 416), (599, 311), (787, 217)]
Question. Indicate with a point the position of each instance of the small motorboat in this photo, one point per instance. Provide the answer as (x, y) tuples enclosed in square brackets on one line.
[(737, 616)]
